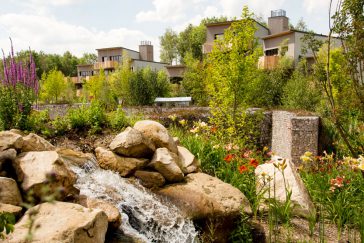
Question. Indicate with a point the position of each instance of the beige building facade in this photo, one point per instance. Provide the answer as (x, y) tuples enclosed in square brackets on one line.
[(273, 38)]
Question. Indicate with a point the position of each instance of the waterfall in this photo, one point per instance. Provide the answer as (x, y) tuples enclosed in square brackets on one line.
[(145, 216)]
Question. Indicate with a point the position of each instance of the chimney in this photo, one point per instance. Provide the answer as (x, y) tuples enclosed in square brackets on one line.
[(146, 51), (278, 22)]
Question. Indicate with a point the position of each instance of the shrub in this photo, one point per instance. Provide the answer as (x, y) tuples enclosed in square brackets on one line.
[(117, 119), (18, 90)]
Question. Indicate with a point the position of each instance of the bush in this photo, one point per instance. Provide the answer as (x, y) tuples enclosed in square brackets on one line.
[(38, 122), (91, 118), (117, 119)]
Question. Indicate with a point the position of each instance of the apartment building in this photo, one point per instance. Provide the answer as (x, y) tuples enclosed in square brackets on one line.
[(273, 38), (110, 58)]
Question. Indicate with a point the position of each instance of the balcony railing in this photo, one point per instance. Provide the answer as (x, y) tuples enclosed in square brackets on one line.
[(105, 65), (268, 62)]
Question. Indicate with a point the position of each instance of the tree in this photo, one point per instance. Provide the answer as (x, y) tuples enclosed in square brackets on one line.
[(168, 44), (301, 25), (88, 58), (232, 65), (99, 89), (53, 86), (190, 41), (194, 80), (121, 78)]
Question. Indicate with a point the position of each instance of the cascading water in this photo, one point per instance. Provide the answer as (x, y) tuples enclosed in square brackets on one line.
[(145, 217)]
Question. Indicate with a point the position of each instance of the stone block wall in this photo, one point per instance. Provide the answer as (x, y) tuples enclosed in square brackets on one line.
[(293, 135)]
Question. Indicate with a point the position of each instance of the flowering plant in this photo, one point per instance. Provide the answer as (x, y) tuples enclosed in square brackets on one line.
[(18, 90)]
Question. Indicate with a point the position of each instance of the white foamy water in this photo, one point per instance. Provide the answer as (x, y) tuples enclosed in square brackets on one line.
[(144, 215)]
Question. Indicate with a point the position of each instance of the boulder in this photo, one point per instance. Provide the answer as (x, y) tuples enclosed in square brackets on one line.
[(17, 131), (187, 161), (33, 142), (165, 163), (5, 155), (123, 165), (72, 157), (35, 169), (9, 192), (132, 143), (113, 214), (63, 223), (10, 140), (8, 208), (301, 201), (204, 196), (150, 179), (157, 133)]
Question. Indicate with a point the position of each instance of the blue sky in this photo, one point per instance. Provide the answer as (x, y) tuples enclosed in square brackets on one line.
[(79, 26)]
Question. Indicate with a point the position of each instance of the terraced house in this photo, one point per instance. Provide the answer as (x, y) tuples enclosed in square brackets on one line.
[(276, 38), (110, 58)]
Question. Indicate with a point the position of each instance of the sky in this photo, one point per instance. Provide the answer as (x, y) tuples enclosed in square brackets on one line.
[(79, 26)]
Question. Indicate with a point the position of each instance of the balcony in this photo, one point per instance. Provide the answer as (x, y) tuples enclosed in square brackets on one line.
[(106, 65), (268, 62)]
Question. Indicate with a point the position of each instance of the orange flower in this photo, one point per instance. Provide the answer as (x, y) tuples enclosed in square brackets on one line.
[(228, 158), (243, 168), (254, 163), (213, 129)]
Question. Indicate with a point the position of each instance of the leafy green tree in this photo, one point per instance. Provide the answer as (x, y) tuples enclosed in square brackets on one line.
[(88, 58), (69, 64), (162, 86), (168, 44), (120, 80), (194, 80), (232, 65), (301, 25), (99, 89), (190, 41), (53, 86)]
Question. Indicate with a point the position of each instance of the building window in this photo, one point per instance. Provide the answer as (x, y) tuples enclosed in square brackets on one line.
[(272, 52), (219, 36), (116, 58), (86, 73)]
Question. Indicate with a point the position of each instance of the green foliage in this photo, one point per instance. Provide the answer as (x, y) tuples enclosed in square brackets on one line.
[(37, 122), (88, 58), (231, 67), (117, 119), (53, 87), (85, 118), (194, 80), (7, 221), (301, 91), (98, 88), (168, 43), (15, 106), (335, 187)]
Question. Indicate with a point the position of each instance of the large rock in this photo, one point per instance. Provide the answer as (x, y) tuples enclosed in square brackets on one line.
[(113, 214), (35, 169), (187, 161), (204, 196), (33, 142), (157, 133), (301, 201), (8, 208), (9, 191), (10, 140), (150, 179), (72, 157), (132, 143), (165, 163), (6, 155), (123, 165), (62, 223)]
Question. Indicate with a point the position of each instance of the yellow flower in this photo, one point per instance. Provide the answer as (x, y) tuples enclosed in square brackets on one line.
[(361, 161), (183, 122), (172, 117)]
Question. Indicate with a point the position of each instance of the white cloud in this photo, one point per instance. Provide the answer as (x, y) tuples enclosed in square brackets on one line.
[(233, 8), (56, 2), (168, 11), (53, 36)]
